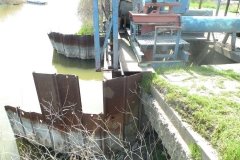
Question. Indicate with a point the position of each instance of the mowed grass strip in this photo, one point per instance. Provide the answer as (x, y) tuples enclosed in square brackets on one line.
[(214, 116)]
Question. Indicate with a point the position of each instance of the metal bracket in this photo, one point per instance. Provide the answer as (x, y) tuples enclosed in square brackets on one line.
[(167, 28)]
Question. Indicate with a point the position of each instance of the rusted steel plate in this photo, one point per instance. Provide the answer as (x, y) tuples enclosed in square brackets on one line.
[(29, 125), (62, 123), (114, 131), (132, 85), (15, 121), (114, 94), (41, 130), (51, 38), (58, 42), (121, 102), (25, 118), (69, 92), (74, 40), (66, 39), (81, 42), (59, 97), (57, 37), (132, 104), (49, 99), (71, 45), (63, 114), (94, 131)]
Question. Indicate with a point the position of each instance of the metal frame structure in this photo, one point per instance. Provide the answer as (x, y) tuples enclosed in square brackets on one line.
[(151, 21), (175, 16), (112, 25)]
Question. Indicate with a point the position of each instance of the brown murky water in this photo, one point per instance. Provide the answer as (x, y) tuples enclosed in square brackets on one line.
[(25, 48)]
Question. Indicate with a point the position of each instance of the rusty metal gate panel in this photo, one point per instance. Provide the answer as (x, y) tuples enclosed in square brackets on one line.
[(49, 98), (94, 132), (121, 103), (113, 94), (64, 127), (60, 102), (132, 104), (69, 92)]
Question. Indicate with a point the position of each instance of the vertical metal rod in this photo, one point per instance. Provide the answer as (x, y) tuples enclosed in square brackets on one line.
[(130, 26), (208, 36), (96, 36), (233, 40), (218, 6), (177, 44), (115, 33), (226, 10), (155, 41), (134, 30)]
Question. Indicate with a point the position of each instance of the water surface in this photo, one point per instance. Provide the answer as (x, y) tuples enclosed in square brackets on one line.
[(25, 48)]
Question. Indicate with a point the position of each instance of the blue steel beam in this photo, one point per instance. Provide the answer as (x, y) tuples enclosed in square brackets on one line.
[(96, 36), (115, 33), (210, 24), (109, 27)]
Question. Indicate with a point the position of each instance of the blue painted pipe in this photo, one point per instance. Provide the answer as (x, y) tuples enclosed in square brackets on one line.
[(96, 36), (210, 24)]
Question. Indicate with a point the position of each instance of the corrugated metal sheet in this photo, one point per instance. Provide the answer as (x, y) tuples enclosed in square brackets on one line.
[(121, 103), (72, 45), (64, 127)]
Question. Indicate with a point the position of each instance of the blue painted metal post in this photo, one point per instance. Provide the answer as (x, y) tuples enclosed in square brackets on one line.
[(96, 36), (109, 27), (177, 44), (115, 33)]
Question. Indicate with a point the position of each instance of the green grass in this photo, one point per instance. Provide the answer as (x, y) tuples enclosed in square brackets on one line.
[(199, 88), (211, 5), (86, 29), (215, 117), (220, 83), (195, 151), (204, 5)]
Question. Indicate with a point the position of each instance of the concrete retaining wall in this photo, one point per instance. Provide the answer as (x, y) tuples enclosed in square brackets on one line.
[(171, 139), (176, 135)]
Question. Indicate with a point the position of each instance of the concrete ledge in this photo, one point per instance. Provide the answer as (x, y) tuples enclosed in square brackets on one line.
[(171, 139), (184, 130)]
